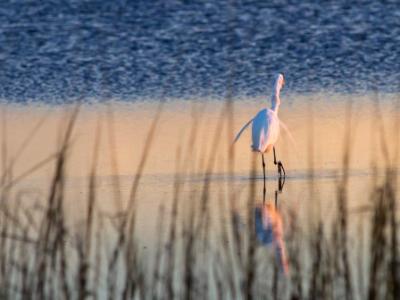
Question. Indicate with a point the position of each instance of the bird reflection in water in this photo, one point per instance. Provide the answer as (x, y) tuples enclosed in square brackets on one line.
[(268, 223), (268, 227)]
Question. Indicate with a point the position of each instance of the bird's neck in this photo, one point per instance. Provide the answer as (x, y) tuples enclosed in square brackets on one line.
[(276, 100)]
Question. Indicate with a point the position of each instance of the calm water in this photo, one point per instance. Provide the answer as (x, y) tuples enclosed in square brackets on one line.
[(318, 143), (183, 145), (56, 52)]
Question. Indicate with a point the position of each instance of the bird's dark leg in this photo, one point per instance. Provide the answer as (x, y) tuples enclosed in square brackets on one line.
[(263, 164), (280, 166), (281, 183)]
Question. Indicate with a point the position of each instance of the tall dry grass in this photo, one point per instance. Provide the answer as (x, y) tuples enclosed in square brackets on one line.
[(42, 258)]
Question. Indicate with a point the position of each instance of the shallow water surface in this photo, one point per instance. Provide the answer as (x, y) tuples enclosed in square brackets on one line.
[(214, 186), (191, 135)]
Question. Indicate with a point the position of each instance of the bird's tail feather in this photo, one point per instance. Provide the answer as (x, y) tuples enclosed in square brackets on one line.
[(241, 130), (285, 128)]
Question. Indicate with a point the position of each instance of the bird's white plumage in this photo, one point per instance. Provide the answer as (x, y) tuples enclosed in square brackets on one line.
[(265, 130), (266, 124), (241, 130)]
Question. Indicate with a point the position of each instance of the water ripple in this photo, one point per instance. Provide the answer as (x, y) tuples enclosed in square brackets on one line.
[(146, 49)]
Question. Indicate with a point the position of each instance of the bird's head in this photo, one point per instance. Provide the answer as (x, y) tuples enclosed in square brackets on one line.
[(280, 81)]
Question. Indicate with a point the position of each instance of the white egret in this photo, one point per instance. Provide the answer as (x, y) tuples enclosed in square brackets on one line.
[(265, 127)]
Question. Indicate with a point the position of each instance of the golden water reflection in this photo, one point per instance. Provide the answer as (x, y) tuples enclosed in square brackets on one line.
[(184, 143)]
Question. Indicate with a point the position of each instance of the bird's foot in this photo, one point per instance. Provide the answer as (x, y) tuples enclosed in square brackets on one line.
[(281, 179), (281, 170)]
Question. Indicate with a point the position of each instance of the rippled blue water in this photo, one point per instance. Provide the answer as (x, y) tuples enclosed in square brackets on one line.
[(55, 51)]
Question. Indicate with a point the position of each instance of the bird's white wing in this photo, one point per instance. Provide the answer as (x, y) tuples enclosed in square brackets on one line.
[(265, 130), (241, 130)]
